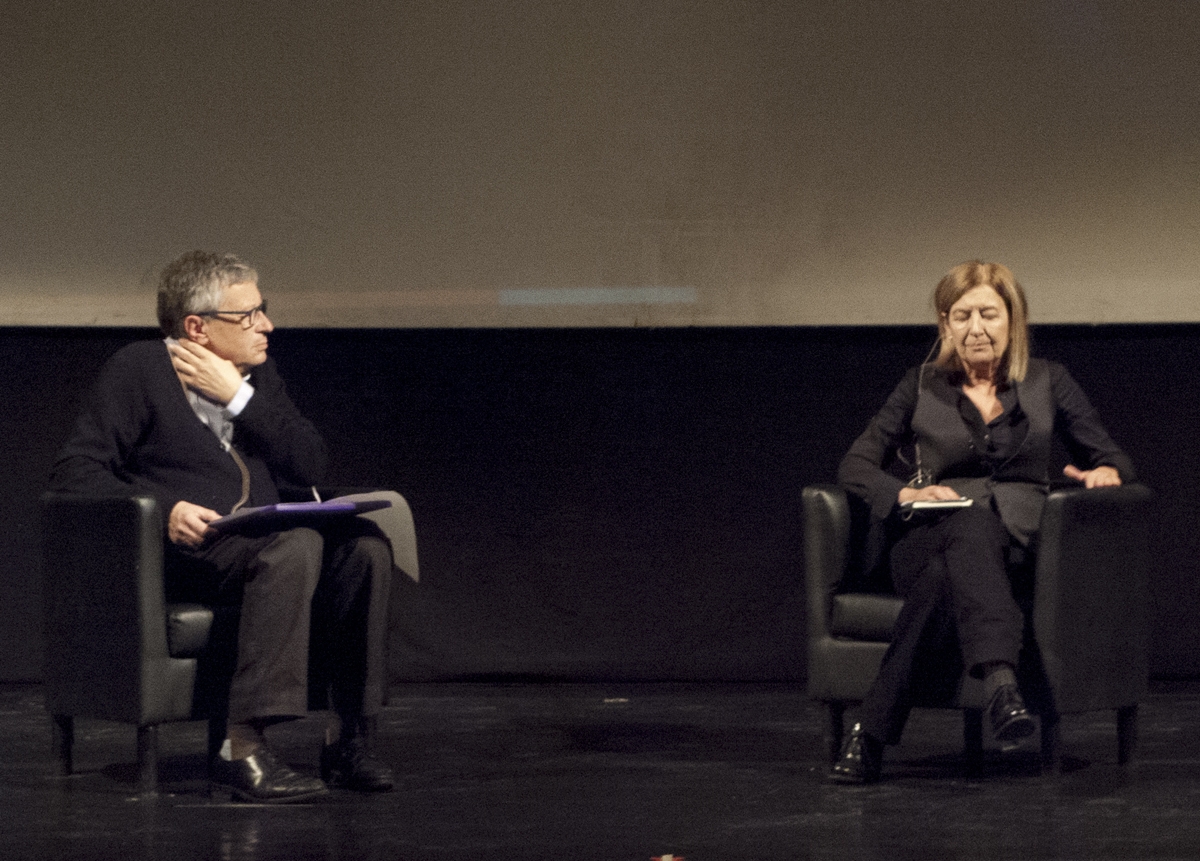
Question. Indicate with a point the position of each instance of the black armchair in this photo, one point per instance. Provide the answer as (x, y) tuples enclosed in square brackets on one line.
[(115, 649), (1089, 619)]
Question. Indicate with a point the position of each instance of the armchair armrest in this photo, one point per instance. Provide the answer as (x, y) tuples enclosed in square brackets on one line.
[(826, 539), (292, 493), (1092, 595), (105, 624), (396, 522)]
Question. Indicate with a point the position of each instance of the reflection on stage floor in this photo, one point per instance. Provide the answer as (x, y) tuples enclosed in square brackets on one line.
[(617, 771)]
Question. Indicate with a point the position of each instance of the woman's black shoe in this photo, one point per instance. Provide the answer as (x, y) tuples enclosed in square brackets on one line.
[(262, 778), (1009, 718), (347, 763), (861, 759)]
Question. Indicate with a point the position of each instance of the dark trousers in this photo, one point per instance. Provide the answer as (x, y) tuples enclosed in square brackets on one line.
[(959, 611), (312, 620)]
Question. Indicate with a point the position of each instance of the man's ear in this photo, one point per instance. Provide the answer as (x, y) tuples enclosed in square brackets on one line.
[(195, 330)]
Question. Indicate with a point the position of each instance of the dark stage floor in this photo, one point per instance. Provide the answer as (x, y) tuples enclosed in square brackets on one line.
[(617, 772)]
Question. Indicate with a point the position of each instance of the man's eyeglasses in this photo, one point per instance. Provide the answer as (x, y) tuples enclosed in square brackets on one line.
[(246, 319)]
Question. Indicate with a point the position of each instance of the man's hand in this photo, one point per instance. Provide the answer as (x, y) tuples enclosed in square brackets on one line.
[(931, 493), (188, 523), (1101, 476), (201, 369)]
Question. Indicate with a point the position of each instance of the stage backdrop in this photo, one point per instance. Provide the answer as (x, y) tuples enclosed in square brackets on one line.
[(571, 163)]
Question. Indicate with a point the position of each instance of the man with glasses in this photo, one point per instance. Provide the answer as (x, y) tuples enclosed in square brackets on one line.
[(202, 422)]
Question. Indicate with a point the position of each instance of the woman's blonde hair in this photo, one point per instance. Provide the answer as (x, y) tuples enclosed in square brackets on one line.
[(968, 276)]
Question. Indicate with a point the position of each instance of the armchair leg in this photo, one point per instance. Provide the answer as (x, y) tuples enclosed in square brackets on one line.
[(147, 753), (1051, 744), (64, 742), (1127, 733), (837, 728), (218, 727), (973, 741)]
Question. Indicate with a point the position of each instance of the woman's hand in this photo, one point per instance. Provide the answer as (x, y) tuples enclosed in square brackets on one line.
[(928, 494), (1101, 476)]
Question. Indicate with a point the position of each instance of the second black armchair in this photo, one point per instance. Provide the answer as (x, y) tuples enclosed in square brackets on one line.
[(1088, 629)]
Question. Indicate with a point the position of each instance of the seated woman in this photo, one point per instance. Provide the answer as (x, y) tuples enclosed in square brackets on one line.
[(979, 422)]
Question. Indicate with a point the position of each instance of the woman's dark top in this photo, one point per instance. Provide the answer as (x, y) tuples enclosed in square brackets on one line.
[(1005, 463)]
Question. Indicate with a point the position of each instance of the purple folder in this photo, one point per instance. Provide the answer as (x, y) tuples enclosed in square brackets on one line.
[(286, 515)]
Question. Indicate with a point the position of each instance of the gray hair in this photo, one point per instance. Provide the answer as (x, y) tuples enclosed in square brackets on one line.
[(195, 282)]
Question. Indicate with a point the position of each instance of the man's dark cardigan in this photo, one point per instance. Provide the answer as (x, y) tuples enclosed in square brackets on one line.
[(139, 435)]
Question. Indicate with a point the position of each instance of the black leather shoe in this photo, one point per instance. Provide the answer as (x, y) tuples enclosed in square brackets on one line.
[(1010, 719), (861, 759), (262, 778), (347, 763)]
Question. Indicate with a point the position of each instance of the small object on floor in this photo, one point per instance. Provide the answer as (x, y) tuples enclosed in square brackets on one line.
[(347, 763), (1010, 719), (262, 778), (861, 759)]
